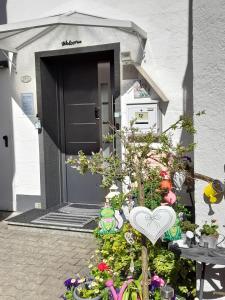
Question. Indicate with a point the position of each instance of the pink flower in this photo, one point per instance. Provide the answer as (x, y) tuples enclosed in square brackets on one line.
[(156, 280)]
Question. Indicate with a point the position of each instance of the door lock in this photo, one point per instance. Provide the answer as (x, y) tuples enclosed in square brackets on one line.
[(97, 113)]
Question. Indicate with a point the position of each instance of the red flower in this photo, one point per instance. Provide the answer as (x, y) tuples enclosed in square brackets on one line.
[(103, 267), (163, 173)]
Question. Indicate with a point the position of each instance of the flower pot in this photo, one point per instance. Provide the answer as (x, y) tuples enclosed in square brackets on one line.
[(77, 297), (211, 240)]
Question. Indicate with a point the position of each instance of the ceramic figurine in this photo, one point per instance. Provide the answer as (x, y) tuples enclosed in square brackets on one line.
[(107, 222), (174, 233)]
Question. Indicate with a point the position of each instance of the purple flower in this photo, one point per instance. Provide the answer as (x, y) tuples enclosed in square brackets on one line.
[(156, 282), (71, 282), (187, 158)]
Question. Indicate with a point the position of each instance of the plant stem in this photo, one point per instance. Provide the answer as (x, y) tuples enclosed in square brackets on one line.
[(144, 250)]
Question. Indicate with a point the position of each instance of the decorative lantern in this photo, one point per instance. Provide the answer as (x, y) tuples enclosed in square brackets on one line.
[(113, 191)]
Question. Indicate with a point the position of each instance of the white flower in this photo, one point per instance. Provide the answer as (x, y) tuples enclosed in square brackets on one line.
[(81, 280), (90, 266), (73, 280), (93, 284)]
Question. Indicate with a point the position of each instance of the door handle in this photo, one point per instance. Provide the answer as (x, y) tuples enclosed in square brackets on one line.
[(6, 140), (97, 113)]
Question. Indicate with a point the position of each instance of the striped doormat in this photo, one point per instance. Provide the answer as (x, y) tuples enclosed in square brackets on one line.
[(71, 215)]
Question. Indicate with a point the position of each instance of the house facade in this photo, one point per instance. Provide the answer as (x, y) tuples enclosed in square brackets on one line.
[(174, 50)]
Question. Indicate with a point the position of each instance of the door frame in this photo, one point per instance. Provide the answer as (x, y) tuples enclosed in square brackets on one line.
[(115, 47)]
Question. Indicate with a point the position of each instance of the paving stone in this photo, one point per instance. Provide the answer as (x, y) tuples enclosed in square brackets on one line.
[(36, 262)]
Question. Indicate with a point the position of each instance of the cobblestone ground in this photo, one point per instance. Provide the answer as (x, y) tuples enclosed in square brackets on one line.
[(35, 262)]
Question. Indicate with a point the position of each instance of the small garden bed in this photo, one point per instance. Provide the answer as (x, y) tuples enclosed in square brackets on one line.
[(132, 261)]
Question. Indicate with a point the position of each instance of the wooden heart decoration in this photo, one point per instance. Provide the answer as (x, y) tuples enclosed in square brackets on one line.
[(153, 224)]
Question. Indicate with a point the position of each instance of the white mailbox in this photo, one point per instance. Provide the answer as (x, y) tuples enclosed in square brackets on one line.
[(138, 105), (145, 114)]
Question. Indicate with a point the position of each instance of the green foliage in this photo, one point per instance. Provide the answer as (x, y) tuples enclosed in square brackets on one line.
[(152, 193), (178, 272), (188, 226), (117, 201), (210, 229), (69, 294), (142, 163)]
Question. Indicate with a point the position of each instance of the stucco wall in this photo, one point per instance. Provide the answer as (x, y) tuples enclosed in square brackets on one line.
[(166, 60), (209, 94)]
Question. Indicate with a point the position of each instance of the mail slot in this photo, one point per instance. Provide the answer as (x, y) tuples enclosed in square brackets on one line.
[(145, 116)]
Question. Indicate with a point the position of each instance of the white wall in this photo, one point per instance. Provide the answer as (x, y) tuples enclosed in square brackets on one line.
[(209, 94), (166, 60)]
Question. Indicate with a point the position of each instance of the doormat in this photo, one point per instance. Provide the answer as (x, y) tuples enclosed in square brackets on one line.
[(81, 209), (70, 217), (64, 219)]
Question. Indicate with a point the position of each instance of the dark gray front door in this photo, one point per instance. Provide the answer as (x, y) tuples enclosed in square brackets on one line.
[(87, 110)]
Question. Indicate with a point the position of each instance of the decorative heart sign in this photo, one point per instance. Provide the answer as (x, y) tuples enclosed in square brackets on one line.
[(153, 224)]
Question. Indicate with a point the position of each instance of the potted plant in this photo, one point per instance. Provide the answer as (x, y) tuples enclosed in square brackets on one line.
[(209, 234), (188, 232), (88, 290)]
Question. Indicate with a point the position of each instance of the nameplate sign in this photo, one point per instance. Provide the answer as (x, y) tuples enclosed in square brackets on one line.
[(70, 43)]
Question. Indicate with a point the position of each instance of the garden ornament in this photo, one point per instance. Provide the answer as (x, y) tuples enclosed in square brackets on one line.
[(153, 224), (166, 184), (113, 191), (170, 198), (126, 208), (109, 283), (166, 292), (107, 222), (213, 189), (119, 219), (174, 233), (129, 237), (179, 179)]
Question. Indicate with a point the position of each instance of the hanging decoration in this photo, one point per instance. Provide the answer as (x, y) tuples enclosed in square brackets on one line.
[(179, 179), (153, 224), (169, 198)]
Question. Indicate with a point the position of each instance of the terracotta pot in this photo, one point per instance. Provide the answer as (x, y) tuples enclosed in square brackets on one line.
[(166, 184)]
